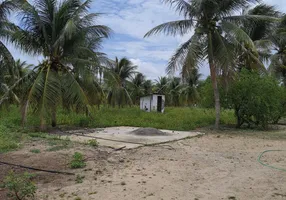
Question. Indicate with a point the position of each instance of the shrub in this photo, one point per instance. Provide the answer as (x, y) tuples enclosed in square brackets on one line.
[(78, 161), (257, 99), (20, 186)]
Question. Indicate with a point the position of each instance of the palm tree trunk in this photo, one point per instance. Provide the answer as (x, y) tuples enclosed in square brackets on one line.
[(214, 81)]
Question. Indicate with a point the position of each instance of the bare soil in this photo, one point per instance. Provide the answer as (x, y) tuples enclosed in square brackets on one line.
[(215, 166)]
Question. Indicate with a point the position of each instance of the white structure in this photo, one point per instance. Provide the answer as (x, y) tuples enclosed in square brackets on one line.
[(153, 103)]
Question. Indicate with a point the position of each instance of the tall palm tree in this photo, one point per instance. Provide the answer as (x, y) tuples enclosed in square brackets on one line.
[(6, 28), (65, 34), (116, 77), (216, 36), (6, 59)]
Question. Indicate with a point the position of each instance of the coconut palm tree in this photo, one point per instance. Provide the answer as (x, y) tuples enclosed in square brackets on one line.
[(216, 36), (275, 43), (161, 85), (174, 89), (189, 90), (6, 59), (117, 76), (65, 34), (6, 29), (257, 31), (147, 87), (14, 72), (136, 87)]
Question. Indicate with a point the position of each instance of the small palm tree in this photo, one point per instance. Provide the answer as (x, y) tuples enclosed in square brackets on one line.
[(216, 36), (117, 76), (65, 34)]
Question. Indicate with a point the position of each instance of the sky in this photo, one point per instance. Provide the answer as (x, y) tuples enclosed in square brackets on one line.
[(130, 20)]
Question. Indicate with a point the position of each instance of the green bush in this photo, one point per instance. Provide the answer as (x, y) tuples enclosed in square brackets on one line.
[(20, 186), (77, 161), (207, 94), (257, 99)]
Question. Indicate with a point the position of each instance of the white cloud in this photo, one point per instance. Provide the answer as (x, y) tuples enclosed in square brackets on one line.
[(130, 20), (149, 69)]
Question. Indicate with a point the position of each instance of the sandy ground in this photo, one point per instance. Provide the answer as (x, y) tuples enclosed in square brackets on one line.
[(211, 167)]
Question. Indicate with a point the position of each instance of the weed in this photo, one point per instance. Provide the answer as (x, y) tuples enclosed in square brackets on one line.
[(93, 143), (57, 148), (79, 179), (35, 151), (20, 186), (77, 161)]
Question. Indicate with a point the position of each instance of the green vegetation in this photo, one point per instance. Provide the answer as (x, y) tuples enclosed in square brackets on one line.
[(185, 119), (77, 161), (20, 186), (35, 151), (75, 84), (173, 118), (257, 100), (93, 143), (79, 178)]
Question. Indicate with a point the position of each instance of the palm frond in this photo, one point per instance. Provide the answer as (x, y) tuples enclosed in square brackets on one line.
[(188, 54), (173, 28)]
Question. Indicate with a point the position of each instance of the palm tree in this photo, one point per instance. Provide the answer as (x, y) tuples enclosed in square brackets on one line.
[(65, 34), (116, 78), (147, 87), (258, 31), (6, 59), (136, 87), (216, 36), (6, 29), (175, 87), (162, 85), (275, 43), (189, 88)]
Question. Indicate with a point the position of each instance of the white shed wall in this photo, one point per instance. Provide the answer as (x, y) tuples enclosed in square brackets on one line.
[(145, 103)]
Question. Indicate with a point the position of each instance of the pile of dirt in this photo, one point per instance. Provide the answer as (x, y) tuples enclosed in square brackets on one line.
[(148, 132)]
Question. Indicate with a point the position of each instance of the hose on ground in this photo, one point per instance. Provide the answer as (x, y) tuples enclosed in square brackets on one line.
[(270, 166), (36, 169)]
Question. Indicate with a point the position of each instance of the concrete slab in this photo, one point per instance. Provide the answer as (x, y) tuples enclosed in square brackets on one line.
[(117, 137)]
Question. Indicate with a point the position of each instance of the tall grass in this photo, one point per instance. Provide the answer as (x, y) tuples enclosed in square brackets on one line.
[(173, 118), (184, 119)]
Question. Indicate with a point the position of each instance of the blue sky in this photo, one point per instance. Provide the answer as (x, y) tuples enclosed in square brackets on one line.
[(130, 20)]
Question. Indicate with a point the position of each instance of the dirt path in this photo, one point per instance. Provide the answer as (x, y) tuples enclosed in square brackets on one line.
[(211, 167)]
